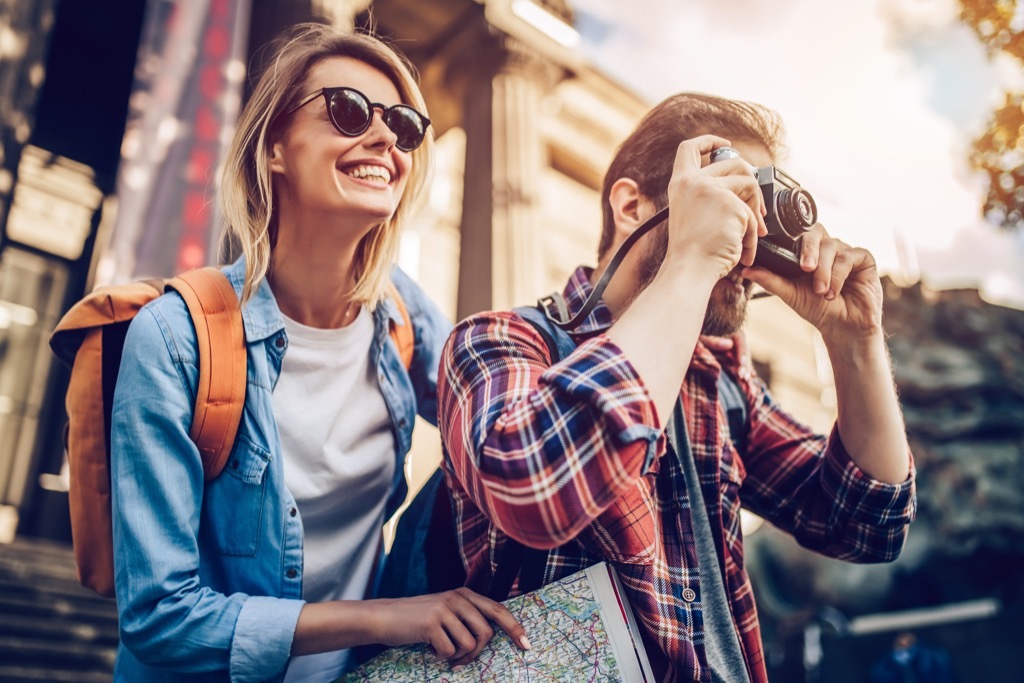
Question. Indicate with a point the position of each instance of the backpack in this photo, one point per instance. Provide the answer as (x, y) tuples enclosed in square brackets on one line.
[(425, 554), (90, 338)]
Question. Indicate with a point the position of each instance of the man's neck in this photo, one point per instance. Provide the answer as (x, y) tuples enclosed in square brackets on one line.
[(623, 287)]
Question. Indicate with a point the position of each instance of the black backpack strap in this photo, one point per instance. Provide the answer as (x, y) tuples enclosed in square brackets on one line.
[(516, 559), (734, 402)]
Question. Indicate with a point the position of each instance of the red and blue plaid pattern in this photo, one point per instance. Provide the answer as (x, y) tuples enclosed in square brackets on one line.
[(569, 456)]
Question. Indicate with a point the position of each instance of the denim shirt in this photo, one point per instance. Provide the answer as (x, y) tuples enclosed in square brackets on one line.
[(209, 575)]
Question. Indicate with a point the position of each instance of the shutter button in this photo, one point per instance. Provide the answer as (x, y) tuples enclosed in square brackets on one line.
[(689, 595)]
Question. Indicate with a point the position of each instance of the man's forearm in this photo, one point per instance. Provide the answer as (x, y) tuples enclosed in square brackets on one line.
[(659, 331), (870, 420)]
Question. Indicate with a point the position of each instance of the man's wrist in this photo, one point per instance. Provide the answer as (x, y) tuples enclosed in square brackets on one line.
[(856, 351), (694, 277)]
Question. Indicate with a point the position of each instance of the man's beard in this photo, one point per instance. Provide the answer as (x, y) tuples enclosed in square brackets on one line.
[(727, 307)]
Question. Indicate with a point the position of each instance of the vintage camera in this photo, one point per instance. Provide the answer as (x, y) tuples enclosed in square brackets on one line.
[(791, 213)]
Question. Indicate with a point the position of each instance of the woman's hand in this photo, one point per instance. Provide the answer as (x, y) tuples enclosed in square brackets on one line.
[(456, 624)]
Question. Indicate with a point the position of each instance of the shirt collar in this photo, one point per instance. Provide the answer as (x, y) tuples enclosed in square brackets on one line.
[(578, 289), (261, 316), (576, 292)]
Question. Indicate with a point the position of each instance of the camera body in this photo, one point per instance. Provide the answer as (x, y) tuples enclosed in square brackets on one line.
[(791, 213)]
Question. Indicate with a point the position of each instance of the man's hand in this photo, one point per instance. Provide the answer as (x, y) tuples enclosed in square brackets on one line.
[(737, 346), (841, 295), (716, 212), (456, 624)]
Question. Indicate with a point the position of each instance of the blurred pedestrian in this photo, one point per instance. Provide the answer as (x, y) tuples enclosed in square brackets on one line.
[(911, 661)]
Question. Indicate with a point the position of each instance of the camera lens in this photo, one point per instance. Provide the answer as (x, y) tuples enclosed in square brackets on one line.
[(723, 153), (796, 211)]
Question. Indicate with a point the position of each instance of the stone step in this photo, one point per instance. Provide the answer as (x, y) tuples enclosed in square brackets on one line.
[(52, 628), (55, 606), (37, 653), (103, 633), (16, 673)]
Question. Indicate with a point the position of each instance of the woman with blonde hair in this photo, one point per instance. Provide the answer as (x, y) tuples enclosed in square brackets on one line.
[(261, 573)]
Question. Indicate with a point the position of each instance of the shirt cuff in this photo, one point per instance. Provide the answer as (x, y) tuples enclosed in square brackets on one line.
[(263, 638), (867, 500)]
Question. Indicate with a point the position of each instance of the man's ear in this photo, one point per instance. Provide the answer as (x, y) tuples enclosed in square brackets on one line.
[(626, 202)]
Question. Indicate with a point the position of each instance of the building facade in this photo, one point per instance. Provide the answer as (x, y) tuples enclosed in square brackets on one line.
[(525, 129)]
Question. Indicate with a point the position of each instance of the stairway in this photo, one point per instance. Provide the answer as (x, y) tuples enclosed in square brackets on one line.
[(51, 628)]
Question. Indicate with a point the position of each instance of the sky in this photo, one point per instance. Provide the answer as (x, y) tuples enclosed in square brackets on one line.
[(881, 99)]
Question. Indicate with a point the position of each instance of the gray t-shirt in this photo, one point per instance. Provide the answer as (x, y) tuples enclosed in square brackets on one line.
[(720, 640)]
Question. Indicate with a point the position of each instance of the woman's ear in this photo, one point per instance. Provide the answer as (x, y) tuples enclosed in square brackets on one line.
[(276, 156)]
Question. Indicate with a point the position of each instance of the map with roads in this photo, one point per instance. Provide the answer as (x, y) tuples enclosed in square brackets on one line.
[(563, 621)]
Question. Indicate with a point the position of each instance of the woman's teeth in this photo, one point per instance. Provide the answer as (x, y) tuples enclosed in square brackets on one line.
[(370, 172)]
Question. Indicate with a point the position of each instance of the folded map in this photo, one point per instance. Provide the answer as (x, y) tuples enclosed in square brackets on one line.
[(581, 629)]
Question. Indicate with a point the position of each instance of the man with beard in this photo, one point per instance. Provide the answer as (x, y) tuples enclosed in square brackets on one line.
[(621, 450)]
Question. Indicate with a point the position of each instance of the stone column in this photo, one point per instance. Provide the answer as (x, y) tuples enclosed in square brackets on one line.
[(501, 260), (341, 13)]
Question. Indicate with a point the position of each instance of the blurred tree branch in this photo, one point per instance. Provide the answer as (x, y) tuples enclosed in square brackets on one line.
[(998, 153)]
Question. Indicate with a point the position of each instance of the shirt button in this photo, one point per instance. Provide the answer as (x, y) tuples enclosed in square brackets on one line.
[(292, 512), (689, 595), (279, 342), (291, 573), (235, 464)]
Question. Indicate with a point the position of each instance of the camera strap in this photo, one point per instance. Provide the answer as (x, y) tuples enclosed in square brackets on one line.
[(558, 301)]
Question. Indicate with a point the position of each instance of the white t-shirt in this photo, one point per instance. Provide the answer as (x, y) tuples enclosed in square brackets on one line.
[(339, 459)]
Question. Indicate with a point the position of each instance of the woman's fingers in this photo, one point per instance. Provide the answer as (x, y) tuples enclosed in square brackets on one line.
[(500, 615)]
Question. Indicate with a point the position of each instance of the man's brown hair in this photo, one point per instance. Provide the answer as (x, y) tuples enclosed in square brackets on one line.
[(648, 154)]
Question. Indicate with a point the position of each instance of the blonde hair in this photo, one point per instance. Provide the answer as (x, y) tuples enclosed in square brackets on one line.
[(246, 191)]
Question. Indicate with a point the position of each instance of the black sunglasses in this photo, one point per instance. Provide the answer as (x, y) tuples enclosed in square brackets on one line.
[(351, 113)]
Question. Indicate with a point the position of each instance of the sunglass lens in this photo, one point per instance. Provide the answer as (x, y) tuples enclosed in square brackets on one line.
[(407, 125), (351, 112)]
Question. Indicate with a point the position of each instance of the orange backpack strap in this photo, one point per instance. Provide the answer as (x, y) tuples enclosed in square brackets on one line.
[(403, 335), (220, 396)]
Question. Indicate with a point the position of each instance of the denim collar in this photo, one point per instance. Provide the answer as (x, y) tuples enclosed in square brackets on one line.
[(261, 315)]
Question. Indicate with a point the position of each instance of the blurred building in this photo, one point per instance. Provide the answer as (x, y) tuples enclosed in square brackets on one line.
[(108, 163)]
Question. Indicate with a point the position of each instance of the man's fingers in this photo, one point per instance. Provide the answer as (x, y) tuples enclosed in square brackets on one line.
[(848, 260), (717, 343), (810, 243), (500, 615), (746, 188), (827, 251), (750, 239), (689, 152)]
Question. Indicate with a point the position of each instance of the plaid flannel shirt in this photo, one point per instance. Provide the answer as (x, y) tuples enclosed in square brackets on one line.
[(569, 456)]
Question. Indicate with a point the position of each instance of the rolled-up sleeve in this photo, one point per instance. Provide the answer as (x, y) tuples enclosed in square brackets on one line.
[(808, 485), (542, 449), (259, 652)]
